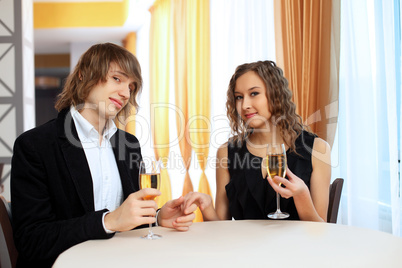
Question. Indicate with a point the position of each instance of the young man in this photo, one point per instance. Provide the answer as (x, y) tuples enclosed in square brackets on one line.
[(75, 178)]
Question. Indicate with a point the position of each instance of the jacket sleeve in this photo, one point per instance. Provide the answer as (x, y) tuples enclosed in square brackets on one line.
[(38, 233)]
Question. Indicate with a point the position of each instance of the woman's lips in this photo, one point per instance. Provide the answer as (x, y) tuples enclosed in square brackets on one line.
[(116, 102), (250, 115)]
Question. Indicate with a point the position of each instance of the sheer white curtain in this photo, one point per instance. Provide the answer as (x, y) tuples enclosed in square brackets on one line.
[(368, 114), (241, 31)]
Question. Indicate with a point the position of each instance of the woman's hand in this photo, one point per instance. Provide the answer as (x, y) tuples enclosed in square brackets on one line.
[(294, 186), (192, 200)]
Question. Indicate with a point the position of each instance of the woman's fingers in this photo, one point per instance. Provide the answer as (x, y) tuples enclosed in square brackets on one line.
[(190, 209), (284, 192)]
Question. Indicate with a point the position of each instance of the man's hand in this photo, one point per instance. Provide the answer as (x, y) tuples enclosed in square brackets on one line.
[(133, 212), (171, 215)]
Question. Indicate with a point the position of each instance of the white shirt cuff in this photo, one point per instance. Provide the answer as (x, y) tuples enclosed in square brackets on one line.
[(156, 217), (103, 223)]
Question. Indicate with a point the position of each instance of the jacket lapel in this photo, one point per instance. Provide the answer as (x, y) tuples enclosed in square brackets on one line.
[(75, 158), (128, 180)]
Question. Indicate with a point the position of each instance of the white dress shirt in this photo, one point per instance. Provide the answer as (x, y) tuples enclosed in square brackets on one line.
[(108, 192)]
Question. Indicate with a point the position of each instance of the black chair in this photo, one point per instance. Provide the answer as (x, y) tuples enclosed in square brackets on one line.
[(335, 192), (8, 252), (1, 181)]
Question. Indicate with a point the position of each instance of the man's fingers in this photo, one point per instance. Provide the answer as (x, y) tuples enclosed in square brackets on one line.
[(182, 229), (147, 212), (145, 204), (147, 220), (177, 202), (182, 224), (141, 194), (186, 218)]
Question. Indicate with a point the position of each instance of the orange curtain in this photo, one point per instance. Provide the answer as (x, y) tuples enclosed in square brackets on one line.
[(159, 89), (128, 124), (307, 48), (199, 85), (191, 38), (180, 59)]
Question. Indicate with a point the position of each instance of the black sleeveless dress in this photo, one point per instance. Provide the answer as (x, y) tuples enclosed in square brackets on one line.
[(250, 195)]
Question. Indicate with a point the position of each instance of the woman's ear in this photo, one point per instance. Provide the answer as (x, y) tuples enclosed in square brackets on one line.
[(80, 76)]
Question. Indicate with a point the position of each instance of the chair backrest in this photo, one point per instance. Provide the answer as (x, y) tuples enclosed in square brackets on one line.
[(335, 191), (1, 181), (8, 252)]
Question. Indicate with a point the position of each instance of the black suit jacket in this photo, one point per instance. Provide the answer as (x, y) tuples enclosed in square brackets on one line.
[(51, 189)]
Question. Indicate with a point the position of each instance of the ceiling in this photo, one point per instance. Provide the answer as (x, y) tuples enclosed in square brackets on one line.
[(58, 40)]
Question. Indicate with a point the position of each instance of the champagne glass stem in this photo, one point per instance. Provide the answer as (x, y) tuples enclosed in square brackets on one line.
[(278, 203), (150, 233)]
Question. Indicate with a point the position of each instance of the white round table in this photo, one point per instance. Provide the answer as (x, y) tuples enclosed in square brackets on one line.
[(251, 243)]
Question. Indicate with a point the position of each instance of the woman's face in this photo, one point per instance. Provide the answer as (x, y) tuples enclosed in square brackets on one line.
[(251, 100)]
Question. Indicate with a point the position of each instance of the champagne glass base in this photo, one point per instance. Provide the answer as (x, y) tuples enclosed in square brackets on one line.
[(151, 236), (278, 215)]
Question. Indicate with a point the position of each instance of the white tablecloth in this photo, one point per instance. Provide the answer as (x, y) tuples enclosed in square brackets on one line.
[(258, 243)]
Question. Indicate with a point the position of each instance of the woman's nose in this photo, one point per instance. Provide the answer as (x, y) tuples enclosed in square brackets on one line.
[(246, 103)]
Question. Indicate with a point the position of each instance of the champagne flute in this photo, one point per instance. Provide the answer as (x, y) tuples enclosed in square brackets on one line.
[(149, 177), (276, 166)]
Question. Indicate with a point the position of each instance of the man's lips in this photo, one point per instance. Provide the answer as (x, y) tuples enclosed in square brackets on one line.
[(250, 115), (117, 102)]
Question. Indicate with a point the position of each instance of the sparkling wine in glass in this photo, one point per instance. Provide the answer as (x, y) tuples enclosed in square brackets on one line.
[(276, 166), (149, 177)]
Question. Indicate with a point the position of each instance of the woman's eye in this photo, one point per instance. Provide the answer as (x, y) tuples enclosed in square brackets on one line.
[(238, 97), (254, 94), (116, 78)]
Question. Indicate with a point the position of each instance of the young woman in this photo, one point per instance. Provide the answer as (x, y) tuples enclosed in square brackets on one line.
[(261, 111)]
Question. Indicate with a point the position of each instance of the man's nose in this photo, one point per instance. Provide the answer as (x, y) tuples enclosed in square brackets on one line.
[(125, 91)]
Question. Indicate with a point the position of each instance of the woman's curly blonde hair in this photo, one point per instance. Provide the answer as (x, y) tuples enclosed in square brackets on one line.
[(281, 106)]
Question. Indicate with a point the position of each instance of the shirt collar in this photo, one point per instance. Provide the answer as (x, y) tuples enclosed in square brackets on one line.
[(86, 131), (110, 129)]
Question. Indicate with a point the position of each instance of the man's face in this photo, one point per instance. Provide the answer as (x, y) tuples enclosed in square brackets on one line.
[(107, 99)]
